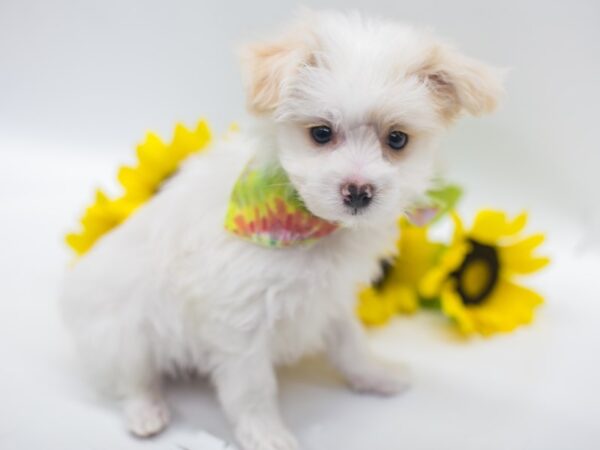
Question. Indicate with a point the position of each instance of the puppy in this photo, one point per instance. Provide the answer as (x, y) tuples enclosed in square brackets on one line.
[(349, 108)]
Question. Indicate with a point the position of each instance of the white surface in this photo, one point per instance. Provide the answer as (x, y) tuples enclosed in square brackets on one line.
[(535, 389), (80, 82)]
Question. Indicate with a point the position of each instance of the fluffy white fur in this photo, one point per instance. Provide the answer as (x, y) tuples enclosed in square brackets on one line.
[(171, 290)]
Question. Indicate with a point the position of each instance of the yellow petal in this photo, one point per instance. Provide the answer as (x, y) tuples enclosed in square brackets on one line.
[(152, 152), (372, 308), (100, 197), (186, 142), (527, 245), (99, 218), (507, 307), (490, 226), (402, 297), (204, 135), (78, 242), (453, 307), (509, 295), (517, 258), (431, 283), (416, 254), (527, 266), (459, 229), (183, 140), (137, 182), (406, 301)]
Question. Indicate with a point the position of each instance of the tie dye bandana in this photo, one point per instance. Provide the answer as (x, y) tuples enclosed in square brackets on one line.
[(264, 208)]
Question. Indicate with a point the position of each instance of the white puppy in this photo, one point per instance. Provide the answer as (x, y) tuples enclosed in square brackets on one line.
[(350, 109)]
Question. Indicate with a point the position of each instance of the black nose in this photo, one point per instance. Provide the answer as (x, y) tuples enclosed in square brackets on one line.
[(357, 197)]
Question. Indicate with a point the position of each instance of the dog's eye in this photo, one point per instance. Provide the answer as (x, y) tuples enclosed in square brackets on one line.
[(397, 140), (321, 134)]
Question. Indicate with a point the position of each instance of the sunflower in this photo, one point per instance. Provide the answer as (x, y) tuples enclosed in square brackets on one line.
[(396, 290), (475, 277), (156, 162), (99, 218)]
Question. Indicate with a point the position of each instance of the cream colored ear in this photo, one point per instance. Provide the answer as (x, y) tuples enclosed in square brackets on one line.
[(266, 67), (460, 83)]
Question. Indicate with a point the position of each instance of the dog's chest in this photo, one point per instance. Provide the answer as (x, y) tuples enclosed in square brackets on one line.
[(300, 309), (299, 319)]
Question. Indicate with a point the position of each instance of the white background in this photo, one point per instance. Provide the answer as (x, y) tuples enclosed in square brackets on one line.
[(81, 81)]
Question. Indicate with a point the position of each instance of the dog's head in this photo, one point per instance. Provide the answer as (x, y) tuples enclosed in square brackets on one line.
[(357, 105)]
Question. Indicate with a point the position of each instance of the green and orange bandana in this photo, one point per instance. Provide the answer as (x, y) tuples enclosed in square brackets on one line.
[(266, 209)]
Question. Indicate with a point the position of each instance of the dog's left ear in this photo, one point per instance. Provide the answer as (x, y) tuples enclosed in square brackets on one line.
[(266, 66), (460, 83)]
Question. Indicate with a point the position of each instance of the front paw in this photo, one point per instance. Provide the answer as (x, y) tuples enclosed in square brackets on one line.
[(255, 433), (146, 417), (379, 379)]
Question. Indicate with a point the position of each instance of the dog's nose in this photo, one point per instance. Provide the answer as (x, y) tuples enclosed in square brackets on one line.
[(357, 196)]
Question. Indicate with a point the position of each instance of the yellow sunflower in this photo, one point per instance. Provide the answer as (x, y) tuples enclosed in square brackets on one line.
[(99, 218), (156, 162), (475, 277), (396, 291)]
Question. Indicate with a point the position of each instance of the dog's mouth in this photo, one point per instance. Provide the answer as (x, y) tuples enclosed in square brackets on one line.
[(354, 211)]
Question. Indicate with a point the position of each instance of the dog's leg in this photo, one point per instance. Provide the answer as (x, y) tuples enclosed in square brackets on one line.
[(348, 351), (247, 389), (146, 412), (140, 386)]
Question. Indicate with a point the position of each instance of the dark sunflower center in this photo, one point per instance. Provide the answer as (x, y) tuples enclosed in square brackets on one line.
[(477, 275), (386, 268)]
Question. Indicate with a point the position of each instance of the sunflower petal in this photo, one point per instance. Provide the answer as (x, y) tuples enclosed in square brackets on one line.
[(151, 152), (508, 307), (186, 141), (79, 242), (527, 266), (402, 296), (416, 254), (203, 134), (183, 141), (101, 197), (490, 225), (374, 309), (431, 283), (137, 181), (459, 229), (528, 244), (517, 258), (453, 307)]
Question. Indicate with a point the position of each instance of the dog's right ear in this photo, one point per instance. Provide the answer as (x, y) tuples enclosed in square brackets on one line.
[(266, 66), (460, 83)]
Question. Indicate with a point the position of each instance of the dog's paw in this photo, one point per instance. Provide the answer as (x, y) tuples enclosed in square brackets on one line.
[(255, 433), (379, 379), (146, 417)]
